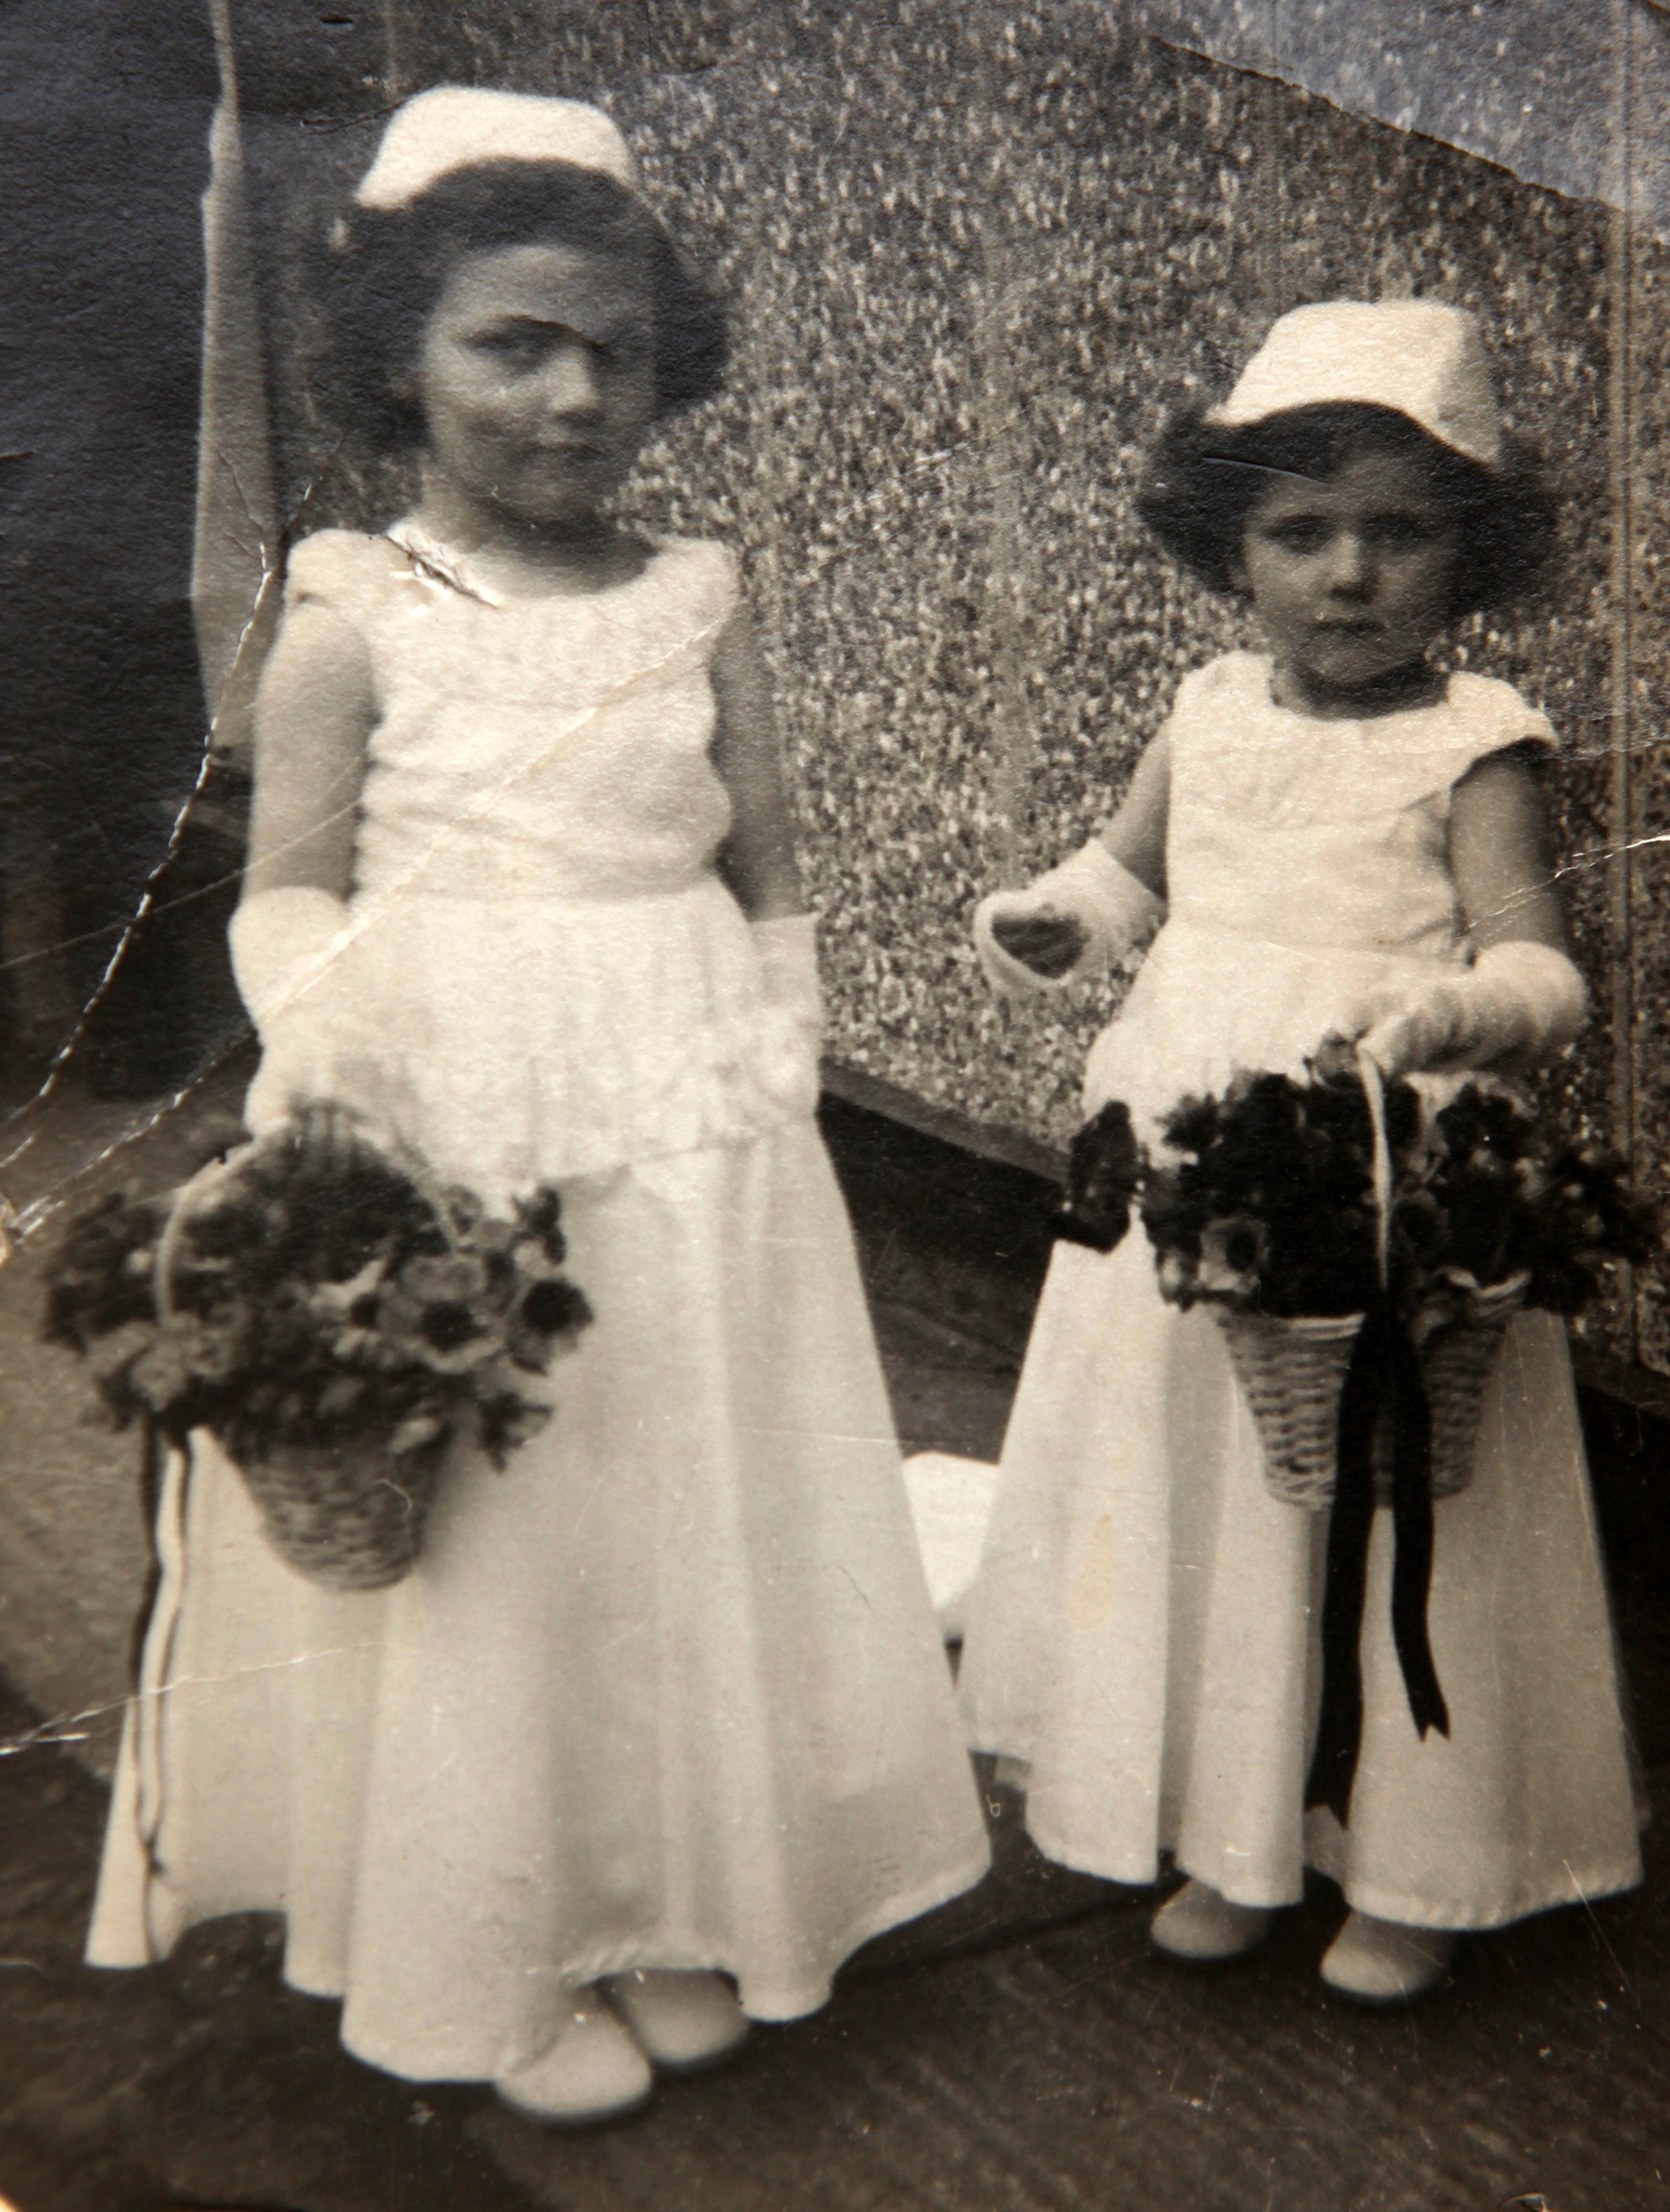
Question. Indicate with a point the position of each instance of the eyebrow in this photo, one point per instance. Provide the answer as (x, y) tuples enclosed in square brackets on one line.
[(515, 318)]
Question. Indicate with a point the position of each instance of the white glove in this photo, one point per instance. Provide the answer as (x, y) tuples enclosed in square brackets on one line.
[(1521, 1000), (296, 956), (282, 941), (788, 950), (792, 1032), (1111, 907)]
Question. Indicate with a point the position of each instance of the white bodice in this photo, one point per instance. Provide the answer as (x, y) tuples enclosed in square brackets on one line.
[(1292, 831), (547, 978), (1307, 866), (555, 745)]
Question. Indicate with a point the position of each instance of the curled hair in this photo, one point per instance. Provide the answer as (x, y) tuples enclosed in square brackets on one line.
[(389, 265), (1204, 480)]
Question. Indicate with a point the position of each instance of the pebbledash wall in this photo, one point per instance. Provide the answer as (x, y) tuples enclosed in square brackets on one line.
[(975, 252)]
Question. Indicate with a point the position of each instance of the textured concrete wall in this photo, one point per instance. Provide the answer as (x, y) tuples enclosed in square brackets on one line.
[(975, 251)]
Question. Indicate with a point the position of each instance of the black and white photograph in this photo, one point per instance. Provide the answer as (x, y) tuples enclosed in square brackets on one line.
[(835, 1059)]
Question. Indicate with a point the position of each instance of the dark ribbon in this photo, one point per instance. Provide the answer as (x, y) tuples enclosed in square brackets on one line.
[(1384, 1374)]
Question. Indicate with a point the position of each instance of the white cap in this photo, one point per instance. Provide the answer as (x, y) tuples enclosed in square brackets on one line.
[(1419, 359), (454, 126)]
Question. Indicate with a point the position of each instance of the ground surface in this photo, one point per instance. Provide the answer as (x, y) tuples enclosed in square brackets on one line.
[(1038, 2063), (1022, 2052)]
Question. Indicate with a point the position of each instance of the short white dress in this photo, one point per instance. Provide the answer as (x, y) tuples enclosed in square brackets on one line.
[(1144, 1629), (668, 1690)]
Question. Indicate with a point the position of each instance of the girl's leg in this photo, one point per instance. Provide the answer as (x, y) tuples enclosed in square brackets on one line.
[(682, 2021), (592, 2071)]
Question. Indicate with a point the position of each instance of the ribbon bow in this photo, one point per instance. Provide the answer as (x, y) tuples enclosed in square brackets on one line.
[(1385, 1376)]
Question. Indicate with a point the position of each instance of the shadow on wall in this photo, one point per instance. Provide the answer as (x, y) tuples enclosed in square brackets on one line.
[(975, 253)]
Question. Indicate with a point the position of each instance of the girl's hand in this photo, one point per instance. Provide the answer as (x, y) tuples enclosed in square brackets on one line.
[(1052, 943), (1094, 907), (325, 1007), (1521, 1002), (1334, 1060), (1076, 917), (1425, 1031)]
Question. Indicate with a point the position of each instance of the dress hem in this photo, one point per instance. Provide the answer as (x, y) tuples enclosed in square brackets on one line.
[(690, 1959), (1578, 1887), (1100, 1868), (1475, 1919)]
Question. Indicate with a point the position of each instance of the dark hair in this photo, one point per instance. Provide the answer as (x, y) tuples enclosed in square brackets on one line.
[(1204, 480), (389, 265)]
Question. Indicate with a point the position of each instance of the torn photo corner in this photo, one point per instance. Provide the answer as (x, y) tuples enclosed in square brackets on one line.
[(652, 652)]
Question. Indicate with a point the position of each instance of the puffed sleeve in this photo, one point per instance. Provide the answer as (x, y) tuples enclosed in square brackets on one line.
[(1488, 717), (342, 569), (709, 578)]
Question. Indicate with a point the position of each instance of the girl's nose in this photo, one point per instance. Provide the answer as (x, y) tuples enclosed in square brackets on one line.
[(571, 386), (1351, 565)]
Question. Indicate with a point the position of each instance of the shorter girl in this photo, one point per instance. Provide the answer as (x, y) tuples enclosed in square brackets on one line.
[(1349, 844), (660, 1727)]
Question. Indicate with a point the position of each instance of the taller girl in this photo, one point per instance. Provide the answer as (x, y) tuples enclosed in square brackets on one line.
[(1349, 843), (663, 1702)]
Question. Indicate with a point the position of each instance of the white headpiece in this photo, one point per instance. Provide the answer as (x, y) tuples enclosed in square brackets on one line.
[(454, 126), (1415, 356)]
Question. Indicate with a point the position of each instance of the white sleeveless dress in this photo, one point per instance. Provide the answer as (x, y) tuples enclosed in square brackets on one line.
[(1144, 1629), (668, 1690)]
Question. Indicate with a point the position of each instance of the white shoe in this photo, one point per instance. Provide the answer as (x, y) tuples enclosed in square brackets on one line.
[(1384, 1962), (1198, 1923), (592, 2071), (682, 2021)]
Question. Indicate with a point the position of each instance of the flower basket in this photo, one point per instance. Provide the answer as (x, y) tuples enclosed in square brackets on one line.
[(335, 1318), (1459, 1354), (1293, 1210), (1291, 1372), (351, 1516), (1261, 1205)]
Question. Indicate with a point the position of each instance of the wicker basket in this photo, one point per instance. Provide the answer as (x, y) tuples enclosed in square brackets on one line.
[(350, 1515), (1292, 1372), (1457, 1363)]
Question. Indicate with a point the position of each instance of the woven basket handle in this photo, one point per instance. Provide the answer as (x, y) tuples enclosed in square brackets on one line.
[(208, 1180), (187, 1198), (1374, 1091)]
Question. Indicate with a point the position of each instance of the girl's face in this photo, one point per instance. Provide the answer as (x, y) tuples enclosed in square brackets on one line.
[(1352, 576), (536, 377)]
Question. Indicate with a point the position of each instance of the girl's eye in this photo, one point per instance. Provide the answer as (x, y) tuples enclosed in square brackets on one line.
[(523, 346), (1301, 535), (511, 348), (1406, 530)]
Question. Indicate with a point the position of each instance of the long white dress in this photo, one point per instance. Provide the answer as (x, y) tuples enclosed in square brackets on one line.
[(1144, 1629), (668, 1690)]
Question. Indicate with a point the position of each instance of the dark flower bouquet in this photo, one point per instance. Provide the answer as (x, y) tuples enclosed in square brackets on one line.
[(1485, 1196), (333, 1318), (1264, 1200), (1106, 1167), (1261, 1205), (1491, 1213)]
